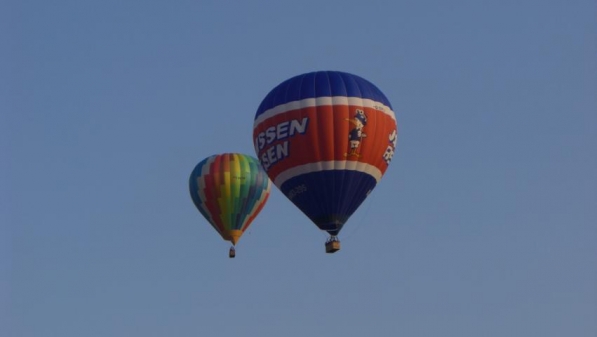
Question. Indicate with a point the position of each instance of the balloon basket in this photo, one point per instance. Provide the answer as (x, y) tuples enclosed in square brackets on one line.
[(231, 253), (332, 246)]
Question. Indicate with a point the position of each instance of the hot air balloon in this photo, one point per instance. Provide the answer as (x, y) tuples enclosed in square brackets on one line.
[(229, 189), (325, 139)]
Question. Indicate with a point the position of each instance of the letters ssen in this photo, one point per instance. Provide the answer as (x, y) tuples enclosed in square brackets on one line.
[(272, 134)]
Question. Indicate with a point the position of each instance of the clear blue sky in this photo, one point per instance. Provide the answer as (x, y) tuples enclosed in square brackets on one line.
[(485, 224)]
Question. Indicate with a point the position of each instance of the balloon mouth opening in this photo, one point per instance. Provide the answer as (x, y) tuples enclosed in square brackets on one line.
[(332, 226), (233, 236)]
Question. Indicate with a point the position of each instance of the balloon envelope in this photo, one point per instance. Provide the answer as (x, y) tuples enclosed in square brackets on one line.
[(229, 190), (325, 139)]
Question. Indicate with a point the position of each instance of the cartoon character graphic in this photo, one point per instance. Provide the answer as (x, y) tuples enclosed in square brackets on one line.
[(356, 134)]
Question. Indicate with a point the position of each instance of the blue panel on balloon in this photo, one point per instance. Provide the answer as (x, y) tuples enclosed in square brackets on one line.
[(322, 195), (321, 84)]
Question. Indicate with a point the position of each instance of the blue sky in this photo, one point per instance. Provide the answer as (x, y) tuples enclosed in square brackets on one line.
[(484, 225)]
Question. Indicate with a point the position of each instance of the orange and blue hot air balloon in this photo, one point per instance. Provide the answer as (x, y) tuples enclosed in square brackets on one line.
[(325, 139), (229, 189)]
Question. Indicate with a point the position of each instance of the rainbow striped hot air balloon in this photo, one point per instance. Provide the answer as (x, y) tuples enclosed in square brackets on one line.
[(325, 139), (229, 190)]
